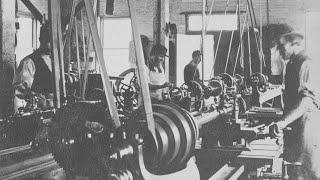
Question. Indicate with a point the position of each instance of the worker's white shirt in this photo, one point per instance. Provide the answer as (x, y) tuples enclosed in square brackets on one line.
[(277, 64), (157, 78)]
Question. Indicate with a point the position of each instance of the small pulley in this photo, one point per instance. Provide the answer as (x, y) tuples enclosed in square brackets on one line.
[(239, 80), (176, 94), (259, 81), (228, 80), (217, 87)]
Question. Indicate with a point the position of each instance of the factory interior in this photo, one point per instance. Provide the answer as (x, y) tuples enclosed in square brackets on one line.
[(159, 89)]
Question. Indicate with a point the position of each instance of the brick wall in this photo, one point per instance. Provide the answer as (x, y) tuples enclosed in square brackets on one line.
[(291, 12), (144, 11)]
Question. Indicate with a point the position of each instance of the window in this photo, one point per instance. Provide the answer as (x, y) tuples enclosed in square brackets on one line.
[(217, 22), (116, 39), (27, 37)]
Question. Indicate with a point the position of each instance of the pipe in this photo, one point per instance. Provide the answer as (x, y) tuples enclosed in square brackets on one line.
[(212, 115)]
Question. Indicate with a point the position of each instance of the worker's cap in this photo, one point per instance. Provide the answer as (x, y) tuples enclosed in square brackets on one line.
[(158, 50), (196, 53)]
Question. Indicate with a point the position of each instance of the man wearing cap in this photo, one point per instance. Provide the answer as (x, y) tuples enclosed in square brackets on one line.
[(34, 73), (301, 110), (157, 80), (191, 71)]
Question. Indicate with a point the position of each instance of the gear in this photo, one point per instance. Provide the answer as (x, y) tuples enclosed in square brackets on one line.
[(79, 139)]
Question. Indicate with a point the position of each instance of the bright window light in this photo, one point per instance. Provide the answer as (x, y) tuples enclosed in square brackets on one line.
[(117, 37), (227, 22)]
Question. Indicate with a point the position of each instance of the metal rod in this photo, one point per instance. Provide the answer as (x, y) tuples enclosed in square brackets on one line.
[(203, 34), (99, 51), (212, 115)]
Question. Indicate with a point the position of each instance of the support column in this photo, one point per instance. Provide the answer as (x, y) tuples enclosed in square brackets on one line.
[(7, 59), (157, 22), (164, 35), (160, 20)]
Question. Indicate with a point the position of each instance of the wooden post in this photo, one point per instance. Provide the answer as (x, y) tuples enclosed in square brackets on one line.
[(60, 50), (164, 37), (34, 34), (83, 45), (105, 78), (68, 38), (53, 6), (157, 22), (78, 53), (7, 59), (141, 70)]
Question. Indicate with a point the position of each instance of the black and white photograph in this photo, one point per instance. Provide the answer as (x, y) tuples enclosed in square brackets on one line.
[(159, 90)]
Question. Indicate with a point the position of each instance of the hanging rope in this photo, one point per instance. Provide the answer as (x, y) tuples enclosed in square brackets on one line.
[(230, 44), (218, 44)]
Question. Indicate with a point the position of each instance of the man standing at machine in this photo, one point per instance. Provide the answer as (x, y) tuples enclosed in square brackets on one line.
[(301, 110), (158, 83), (191, 71), (34, 74)]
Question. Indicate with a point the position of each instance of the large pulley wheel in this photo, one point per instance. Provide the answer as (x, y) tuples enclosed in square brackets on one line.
[(127, 86), (78, 139), (176, 134)]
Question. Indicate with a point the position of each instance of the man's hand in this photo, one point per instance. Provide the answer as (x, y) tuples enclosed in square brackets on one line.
[(22, 90), (276, 129)]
